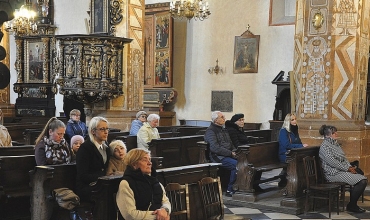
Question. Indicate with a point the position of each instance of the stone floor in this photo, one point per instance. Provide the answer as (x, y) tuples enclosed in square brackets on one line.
[(268, 206)]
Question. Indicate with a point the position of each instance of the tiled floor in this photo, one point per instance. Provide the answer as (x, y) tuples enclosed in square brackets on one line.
[(256, 213), (260, 210)]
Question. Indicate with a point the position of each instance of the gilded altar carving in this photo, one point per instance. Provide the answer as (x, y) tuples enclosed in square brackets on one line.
[(90, 67)]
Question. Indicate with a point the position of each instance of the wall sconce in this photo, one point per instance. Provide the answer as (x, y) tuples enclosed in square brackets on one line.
[(216, 69)]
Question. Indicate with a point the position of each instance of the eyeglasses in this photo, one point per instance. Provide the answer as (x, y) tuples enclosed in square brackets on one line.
[(143, 116), (145, 160), (103, 129)]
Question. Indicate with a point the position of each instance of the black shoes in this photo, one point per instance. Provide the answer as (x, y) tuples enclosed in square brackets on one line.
[(355, 209), (257, 188), (229, 193), (283, 183), (73, 215)]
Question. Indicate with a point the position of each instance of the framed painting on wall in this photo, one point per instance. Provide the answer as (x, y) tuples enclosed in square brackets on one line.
[(99, 16), (246, 53), (35, 52)]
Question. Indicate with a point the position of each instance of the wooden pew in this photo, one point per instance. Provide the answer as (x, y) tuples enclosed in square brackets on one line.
[(105, 208), (296, 177), (15, 190), (260, 135), (30, 135), (256, 158), (16, 131), (252, 126), (44, 179), (178, 151), (17, 150)]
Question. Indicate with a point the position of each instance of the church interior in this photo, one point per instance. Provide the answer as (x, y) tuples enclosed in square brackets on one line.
[(265, 59)]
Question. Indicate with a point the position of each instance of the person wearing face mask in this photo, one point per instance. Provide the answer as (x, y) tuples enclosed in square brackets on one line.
[(221, 148), (51, 147), (288, 139), (337, 168)]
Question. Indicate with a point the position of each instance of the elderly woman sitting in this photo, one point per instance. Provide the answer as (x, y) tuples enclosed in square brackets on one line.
[(148, 131), (337, 168), (140, 195)]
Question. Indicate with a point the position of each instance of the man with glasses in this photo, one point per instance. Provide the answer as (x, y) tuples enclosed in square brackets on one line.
[(137, 123), (221, 148)]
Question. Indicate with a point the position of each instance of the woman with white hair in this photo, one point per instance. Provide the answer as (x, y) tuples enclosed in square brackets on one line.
[(148, 131)]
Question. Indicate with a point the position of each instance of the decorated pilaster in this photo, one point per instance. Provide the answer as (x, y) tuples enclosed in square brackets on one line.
[(330, 73)]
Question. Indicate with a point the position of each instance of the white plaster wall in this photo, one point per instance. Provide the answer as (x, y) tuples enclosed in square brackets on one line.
[(206, 41), (212, 39)]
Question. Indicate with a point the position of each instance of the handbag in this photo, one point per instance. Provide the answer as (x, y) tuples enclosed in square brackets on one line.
[(66, 198)]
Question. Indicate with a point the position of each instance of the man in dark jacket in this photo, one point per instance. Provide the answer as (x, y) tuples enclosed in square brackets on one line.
[(221, 148)]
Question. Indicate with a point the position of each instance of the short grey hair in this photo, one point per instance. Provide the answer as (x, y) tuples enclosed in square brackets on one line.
[(215, 115), (152, 117)]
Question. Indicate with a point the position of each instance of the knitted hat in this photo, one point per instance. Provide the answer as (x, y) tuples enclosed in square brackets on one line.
[(77, 138), (116, 143), (236, 117), (140, 113)]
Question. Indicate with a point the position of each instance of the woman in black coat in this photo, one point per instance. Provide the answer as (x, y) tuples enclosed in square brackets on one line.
[(236, 132)]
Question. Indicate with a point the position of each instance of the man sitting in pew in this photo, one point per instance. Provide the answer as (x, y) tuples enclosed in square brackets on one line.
[(5, 139), (148, 131), (221, 147)]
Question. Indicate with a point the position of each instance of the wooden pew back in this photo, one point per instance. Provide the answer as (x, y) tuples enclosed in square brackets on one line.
[(253, 159), (44, 179), (15, 190), (260, 135), (178, 151), (17, 150), (262, 154)]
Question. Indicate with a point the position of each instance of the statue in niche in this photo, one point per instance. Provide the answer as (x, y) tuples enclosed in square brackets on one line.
[(112, 66), (93, 68), (70, 66)]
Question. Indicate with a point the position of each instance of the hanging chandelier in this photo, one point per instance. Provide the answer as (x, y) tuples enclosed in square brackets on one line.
[(197, 9), (24, 22)]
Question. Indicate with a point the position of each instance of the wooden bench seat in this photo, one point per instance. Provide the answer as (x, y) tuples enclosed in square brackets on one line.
[(15, 190), (255, 158)]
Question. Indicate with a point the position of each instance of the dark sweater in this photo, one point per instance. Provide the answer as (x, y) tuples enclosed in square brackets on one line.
[(147, 190)]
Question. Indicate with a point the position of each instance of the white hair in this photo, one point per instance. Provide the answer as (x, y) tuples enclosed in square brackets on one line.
[(214, 115), (152, 117)]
